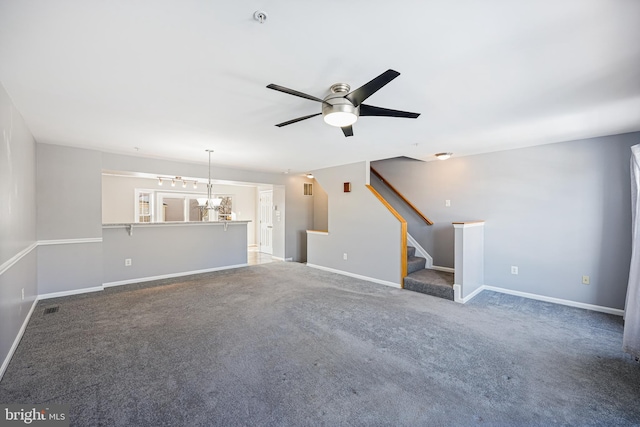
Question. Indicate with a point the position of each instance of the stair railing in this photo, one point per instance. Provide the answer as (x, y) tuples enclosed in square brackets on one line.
[(404, 199), (403, 234)]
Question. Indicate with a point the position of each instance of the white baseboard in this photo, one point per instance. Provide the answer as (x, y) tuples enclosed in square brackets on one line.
[(16, 341), (420, 251), (71, 292), (439, 268), (281, 259), (457, 294), (357, 276), (592, 307), (170, 276)]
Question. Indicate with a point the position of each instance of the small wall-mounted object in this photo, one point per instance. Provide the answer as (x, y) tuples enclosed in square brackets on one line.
[(308, 189), (260, 16), (129, 228), (347, 187)]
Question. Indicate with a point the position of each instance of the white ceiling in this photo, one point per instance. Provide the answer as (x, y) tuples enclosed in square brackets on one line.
[(174, 78)]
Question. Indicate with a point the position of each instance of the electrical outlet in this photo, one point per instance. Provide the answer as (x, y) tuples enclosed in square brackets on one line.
[(127, 262), (344, 256), (447, 203), (22, 294), (586, 280), (514, 269)]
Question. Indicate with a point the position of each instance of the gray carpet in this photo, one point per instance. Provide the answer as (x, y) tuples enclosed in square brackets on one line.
[(284, 344)]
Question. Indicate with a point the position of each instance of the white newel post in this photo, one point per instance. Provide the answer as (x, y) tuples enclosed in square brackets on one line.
[(469, 259)]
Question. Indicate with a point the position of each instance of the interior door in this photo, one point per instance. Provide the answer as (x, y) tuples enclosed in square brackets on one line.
[(266, 222)]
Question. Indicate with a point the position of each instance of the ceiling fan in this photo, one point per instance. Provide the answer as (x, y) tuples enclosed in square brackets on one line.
[(342, 108)]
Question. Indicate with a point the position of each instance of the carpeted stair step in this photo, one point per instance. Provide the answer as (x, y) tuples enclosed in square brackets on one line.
[(415, 263), (431, 282)]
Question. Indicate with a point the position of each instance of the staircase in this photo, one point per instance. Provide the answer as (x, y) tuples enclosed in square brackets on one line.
[(427, 281)]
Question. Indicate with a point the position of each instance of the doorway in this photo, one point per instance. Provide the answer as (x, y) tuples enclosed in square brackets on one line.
[(266, 221)]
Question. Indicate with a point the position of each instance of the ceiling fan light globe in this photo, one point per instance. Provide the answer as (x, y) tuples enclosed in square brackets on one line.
[(338, 111), (340, 118)]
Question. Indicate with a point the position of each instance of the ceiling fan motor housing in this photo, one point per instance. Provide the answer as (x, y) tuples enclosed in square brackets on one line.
[(338, 110)]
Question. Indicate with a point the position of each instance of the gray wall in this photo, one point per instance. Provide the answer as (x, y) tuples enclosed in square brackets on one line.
[(359, 225), (17, 223), (557, 211), (157, 250), (299, 217), (416, 226), (69, 183), (320, 207)]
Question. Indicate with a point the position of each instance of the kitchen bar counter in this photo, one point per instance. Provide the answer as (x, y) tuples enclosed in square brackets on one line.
[(137, 252)]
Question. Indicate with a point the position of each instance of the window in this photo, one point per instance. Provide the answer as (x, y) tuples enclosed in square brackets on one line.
[(144, 205)]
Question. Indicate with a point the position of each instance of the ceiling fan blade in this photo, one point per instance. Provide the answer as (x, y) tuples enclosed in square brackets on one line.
[(347, 130), (370, 110), (363, 92), (299, 119), (293, 92)]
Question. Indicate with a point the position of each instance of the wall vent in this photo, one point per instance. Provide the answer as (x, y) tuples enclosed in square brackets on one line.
[(308, 189)]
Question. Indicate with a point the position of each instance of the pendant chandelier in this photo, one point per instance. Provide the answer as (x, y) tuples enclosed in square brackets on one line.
[(210, 202)]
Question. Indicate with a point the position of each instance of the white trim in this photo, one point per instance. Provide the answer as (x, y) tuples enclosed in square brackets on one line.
[(70, 292), (592, 307), (322, 233), (357, 276), (174, 224), (281, 259), (16, 341), (420, 250), (457, 294), (169, 276), (69, 241), (17, 257), (468, 224), (440, 268)]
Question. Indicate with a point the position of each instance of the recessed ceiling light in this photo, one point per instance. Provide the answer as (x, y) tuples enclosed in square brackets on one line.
[(443, 156)]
